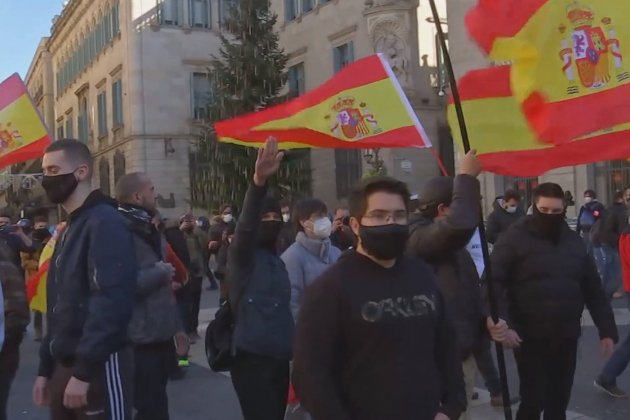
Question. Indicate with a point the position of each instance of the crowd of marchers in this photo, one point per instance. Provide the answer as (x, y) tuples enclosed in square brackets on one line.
[(377, 311)]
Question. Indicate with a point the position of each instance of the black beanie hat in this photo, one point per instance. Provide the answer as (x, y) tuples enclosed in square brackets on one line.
[(271, 205)]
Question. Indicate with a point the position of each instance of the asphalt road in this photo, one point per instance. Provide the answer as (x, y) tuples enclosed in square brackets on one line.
[(204, 395)]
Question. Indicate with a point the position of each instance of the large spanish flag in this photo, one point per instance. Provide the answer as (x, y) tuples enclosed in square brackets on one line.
[(23, 135), (570, 60), (505, 142), (362, 106)]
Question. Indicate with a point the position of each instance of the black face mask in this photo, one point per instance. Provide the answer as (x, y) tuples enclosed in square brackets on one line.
[(268, 234), (549, 225), (59, 187), (385, 242)]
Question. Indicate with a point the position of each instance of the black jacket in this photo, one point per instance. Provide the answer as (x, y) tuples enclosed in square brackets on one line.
[(442, 243), (175, 237), (596, 209), (609, 229), (500, 220), (91, 287), (546, 285), (264, 323)]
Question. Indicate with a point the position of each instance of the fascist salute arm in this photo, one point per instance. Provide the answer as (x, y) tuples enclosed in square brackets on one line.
[(113, 277)]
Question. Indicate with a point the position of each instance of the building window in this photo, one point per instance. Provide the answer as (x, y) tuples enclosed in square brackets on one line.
[(119, 166), (116, 19), (200, 13), (296, 80), (60, 130), (69, 127), (117, 102), (347, 170), (307, 5), (82, 119), (168, 12), (225, 9), (201, 94), (103, 169), (525, 186), (108, 26), (101, 105), (291, 9), (343, 55)]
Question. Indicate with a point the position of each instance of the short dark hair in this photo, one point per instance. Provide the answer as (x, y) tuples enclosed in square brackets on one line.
[(73, 149), (225, 206), (511, 195), (128, 185), (359, 196), (304, 209), (548, 190), (590, 193), (6, 216), (40, 219)]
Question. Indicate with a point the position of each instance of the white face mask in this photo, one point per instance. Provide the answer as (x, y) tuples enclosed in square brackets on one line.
[(286, 217), (227, 218), (322, 228), (511, 209), (588, 199)]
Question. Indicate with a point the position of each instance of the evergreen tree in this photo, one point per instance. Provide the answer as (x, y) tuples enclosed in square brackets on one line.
[(248, 75)]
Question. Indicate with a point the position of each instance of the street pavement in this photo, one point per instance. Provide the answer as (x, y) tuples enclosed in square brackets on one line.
[(205, 395)]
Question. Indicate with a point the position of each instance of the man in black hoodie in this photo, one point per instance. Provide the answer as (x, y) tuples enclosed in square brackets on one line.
[(373, 339), (506, 211), (543, 278), (259, 295), (85, 358)]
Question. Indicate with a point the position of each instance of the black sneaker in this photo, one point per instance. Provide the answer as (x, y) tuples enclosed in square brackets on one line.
[(611, 389)]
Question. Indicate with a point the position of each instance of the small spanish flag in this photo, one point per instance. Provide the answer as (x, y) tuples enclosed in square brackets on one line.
[(36, 285), (504, 141), (570, 61), (23, 135), (361, 107)]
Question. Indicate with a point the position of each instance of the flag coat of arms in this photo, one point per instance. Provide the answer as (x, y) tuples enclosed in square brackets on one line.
[(23, 135), (570, 60), (505, 142), (362, 106)]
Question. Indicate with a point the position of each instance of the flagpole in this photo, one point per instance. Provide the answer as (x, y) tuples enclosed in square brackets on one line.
[(494, 310)]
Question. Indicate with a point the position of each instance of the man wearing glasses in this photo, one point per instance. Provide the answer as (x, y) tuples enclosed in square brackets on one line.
[(375, 323)]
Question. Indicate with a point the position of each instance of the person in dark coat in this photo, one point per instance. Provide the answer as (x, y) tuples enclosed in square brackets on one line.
[(543, 278), (590, 213), (506, 211), (451, 212), (259, 295)]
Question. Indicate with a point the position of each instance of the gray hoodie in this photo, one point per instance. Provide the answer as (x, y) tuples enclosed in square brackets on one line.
[(306, 260)]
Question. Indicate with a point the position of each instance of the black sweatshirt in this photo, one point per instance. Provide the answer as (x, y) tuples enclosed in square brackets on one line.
[(374, 344)]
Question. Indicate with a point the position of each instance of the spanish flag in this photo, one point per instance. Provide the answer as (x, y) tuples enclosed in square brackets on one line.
[(570, 60), (506, 144), (36, 285), (23, 135), (362, 106)]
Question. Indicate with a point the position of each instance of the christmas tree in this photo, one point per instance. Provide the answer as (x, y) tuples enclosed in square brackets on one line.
[(248, 75)]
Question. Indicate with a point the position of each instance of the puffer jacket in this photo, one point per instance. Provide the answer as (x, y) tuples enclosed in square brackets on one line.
[(442, 244), (155, 318), (542, 286), (264, 323)]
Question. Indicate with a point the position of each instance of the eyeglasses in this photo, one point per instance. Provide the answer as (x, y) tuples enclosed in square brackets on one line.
[(383, 217)]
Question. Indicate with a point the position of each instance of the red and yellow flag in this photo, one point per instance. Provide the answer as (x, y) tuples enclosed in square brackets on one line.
[(570, 60), (36, 285), (23, 135), (362, 106), (504, 140)]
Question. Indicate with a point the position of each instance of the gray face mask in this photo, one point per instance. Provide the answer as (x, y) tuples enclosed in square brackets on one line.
[(511, 209)]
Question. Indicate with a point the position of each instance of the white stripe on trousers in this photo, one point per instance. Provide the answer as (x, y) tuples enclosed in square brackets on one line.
[(114, 388)]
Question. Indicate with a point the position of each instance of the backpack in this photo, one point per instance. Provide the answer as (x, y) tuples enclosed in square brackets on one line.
[(588, 218)]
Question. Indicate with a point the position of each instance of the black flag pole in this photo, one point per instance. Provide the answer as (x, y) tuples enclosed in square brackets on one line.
[(494, 310)]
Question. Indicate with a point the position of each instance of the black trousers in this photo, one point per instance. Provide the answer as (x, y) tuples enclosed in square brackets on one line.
[(9, 362), (188, 300), (110, 395), (152, 365), (546, 370), (262, 386)]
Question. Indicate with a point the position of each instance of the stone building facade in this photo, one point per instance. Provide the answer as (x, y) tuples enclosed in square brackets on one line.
[(322, 36), (129, 78)]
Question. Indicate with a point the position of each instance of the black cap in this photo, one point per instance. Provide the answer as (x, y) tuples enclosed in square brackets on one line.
[(271, 205), (438, 190)]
